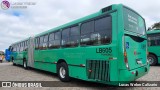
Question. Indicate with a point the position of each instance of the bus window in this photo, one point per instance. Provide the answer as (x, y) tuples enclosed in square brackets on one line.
[(45, 42), (51, 40), (65, 38), (36, 43), (74, 36), (103, 28), (157, 39), (41, 43), (57, 41), (86, 30), (97, 32)]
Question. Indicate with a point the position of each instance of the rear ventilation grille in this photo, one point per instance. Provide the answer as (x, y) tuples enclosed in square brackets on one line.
[(106, 9), (98, 70)]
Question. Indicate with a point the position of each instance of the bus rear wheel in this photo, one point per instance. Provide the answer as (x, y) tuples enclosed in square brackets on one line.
[(63, 72), (152, 60)]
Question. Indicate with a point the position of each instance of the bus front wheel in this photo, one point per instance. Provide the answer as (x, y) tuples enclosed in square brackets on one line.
[(14, 64), (63, 72), (152, 60)]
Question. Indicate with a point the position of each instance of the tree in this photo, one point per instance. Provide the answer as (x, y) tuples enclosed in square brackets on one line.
[(155, 26)]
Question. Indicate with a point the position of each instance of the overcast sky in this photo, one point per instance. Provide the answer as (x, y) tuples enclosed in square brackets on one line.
[(18, 24)]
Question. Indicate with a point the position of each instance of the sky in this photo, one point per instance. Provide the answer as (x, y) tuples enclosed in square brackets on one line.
[(19, 23)]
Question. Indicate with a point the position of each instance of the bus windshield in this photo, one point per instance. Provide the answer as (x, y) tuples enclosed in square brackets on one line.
[(133, 22)]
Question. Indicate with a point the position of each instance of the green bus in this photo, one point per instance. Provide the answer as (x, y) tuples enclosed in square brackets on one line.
[(153, 46), (109, 45)]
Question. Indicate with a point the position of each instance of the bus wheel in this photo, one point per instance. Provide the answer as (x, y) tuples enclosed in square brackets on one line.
[(13, 62), (25, 64), (63, 72), (152, 60)]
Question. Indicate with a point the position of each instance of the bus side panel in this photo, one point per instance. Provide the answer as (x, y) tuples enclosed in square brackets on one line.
[(74, 58), (45, 66), (20, 57), (43, 59), (17, 58)]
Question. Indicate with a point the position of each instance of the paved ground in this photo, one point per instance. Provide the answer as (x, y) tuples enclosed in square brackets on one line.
[(8, 72)]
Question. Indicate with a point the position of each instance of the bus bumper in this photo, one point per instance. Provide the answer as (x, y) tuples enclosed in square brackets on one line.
[(131, 75)]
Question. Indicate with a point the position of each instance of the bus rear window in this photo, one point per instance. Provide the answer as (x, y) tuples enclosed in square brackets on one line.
[(133, 22)]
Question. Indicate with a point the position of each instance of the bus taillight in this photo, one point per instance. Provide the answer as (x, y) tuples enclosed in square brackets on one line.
[(126, 60), (125, 54)]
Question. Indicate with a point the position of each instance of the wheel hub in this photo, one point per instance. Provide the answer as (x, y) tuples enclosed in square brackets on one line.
[(151, 60), (62, 72)]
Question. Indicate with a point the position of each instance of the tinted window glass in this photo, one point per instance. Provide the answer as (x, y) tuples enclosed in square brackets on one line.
[(41, 39), (65, 33), (46, 38), (51, 40), (103, 30), (74, 36), (37, 43), (65, 37), (57, 40), (87, 27), (41, 42), (51, 37), (14, 48), (103, 24), (97, 32), (58, 35), (154, 40), (45, 42), (75, 31)]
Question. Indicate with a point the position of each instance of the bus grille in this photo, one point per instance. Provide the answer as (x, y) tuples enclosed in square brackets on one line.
[(98, 70)]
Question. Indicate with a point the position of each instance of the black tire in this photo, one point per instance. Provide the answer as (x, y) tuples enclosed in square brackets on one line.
[(25, 64), (14, 64), (152, 60), (64, 77)]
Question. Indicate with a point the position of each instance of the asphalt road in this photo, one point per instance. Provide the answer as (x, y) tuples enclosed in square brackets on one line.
[(8, 72)]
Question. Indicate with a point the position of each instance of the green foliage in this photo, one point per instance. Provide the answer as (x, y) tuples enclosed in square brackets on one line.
[(155, 26)]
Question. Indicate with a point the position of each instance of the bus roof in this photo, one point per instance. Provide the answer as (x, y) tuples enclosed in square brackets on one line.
[(153, 31)]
